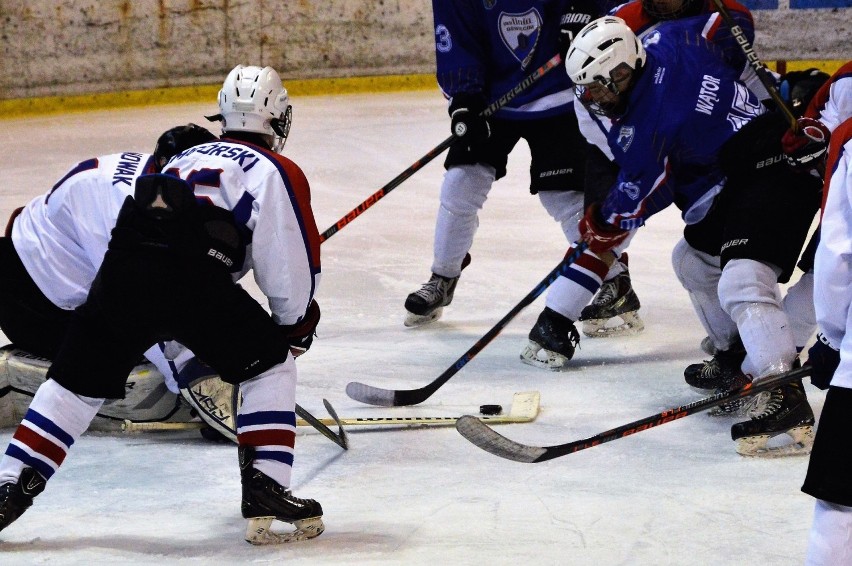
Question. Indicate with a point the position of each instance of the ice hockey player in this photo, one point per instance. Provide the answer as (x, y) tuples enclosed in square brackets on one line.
[(614, 311), (49, 256), (746, 221), (483, 51), (829, 476), (169, 272)]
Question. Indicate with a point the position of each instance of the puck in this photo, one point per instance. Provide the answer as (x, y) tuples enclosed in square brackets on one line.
[(490, 409)]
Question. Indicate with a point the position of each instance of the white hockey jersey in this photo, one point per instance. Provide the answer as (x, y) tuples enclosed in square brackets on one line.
[(833, 263), (62, 236), (270, 197)]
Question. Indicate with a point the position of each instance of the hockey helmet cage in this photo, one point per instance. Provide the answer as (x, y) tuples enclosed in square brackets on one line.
[(253, 99), (179, 139)]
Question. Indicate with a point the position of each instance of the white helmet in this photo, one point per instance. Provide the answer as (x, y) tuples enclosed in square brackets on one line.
[(599, 48), (253, 99)]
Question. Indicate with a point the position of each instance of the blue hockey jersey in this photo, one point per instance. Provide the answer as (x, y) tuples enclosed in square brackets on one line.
[(490, 46), (685, 104)]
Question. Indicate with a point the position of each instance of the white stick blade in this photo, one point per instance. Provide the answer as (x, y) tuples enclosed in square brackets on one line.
[(370, 395), (484, 437)]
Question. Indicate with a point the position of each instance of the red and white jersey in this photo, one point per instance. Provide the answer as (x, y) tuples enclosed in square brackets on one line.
[(62, 236), (270, 197), (832, 103), (833, 263)]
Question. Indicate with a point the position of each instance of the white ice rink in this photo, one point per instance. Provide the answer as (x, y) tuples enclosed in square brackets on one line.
[(674, 495)]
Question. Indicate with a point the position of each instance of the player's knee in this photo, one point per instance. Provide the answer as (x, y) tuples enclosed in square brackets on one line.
[(465, 188), (747, 281), (696, 270), (566, 207)]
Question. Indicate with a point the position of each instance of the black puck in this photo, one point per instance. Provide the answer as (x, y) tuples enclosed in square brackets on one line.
[(490, 409)]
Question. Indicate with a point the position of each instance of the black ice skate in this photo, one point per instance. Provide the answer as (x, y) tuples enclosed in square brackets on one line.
[(552, 341), (718, 372), (749, 406), (427, 303), (264, 499), (15, 498), (614, 311), (787, 413)]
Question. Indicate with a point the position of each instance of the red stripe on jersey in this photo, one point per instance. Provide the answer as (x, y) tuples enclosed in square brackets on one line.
[(268, 437), (839, 137), (302, 192), (820, 99), (39, 444)]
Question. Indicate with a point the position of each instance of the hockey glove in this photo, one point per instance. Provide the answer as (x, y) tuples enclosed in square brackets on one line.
[(599, 234), (468, 124), (301, 334), (807, 148), (824, 360)]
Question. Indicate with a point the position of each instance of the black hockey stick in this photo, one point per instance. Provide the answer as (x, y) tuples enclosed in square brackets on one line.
[(399, 397), (438, 150), (339, 439), (486, 438), (756, 64)]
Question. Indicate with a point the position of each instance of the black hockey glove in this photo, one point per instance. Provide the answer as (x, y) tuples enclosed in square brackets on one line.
[(468, 124), (301, 334), (579, 13), (823, 360)]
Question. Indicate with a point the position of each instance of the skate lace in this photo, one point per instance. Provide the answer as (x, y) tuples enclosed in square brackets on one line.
[(435, 288), (773, 403), (608, 292)]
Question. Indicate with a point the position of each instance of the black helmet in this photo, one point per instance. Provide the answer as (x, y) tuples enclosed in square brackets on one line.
[(799, 87), (661, 11), (178, 139)]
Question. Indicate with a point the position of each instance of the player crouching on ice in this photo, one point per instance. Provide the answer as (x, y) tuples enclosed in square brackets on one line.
[(179, 244), (687, 132)]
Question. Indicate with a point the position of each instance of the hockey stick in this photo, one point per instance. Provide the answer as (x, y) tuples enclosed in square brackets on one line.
[(484, 437), (437, 150), (339, 439), (525, 409), (756, 64), (399, 397), (307, 419)]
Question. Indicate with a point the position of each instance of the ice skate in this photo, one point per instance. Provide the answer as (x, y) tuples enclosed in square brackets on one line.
[(785, 427), (718, 372), (614, 311), (749, 406), (552, 341), (265, 500), (427, 303), (15, 498)]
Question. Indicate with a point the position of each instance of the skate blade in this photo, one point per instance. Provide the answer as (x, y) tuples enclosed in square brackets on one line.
[(539, 357), (603, 327), (801, 439), (258, 531), (413, 320)]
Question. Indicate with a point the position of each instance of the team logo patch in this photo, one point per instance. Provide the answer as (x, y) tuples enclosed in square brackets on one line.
[(630, 189), (625, 137), (520, 32)]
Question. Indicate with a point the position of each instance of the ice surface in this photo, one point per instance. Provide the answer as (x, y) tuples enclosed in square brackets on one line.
[(677, 494)]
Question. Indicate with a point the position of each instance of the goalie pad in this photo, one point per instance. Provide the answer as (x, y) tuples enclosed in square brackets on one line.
[(147, 399), (215, 401)]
